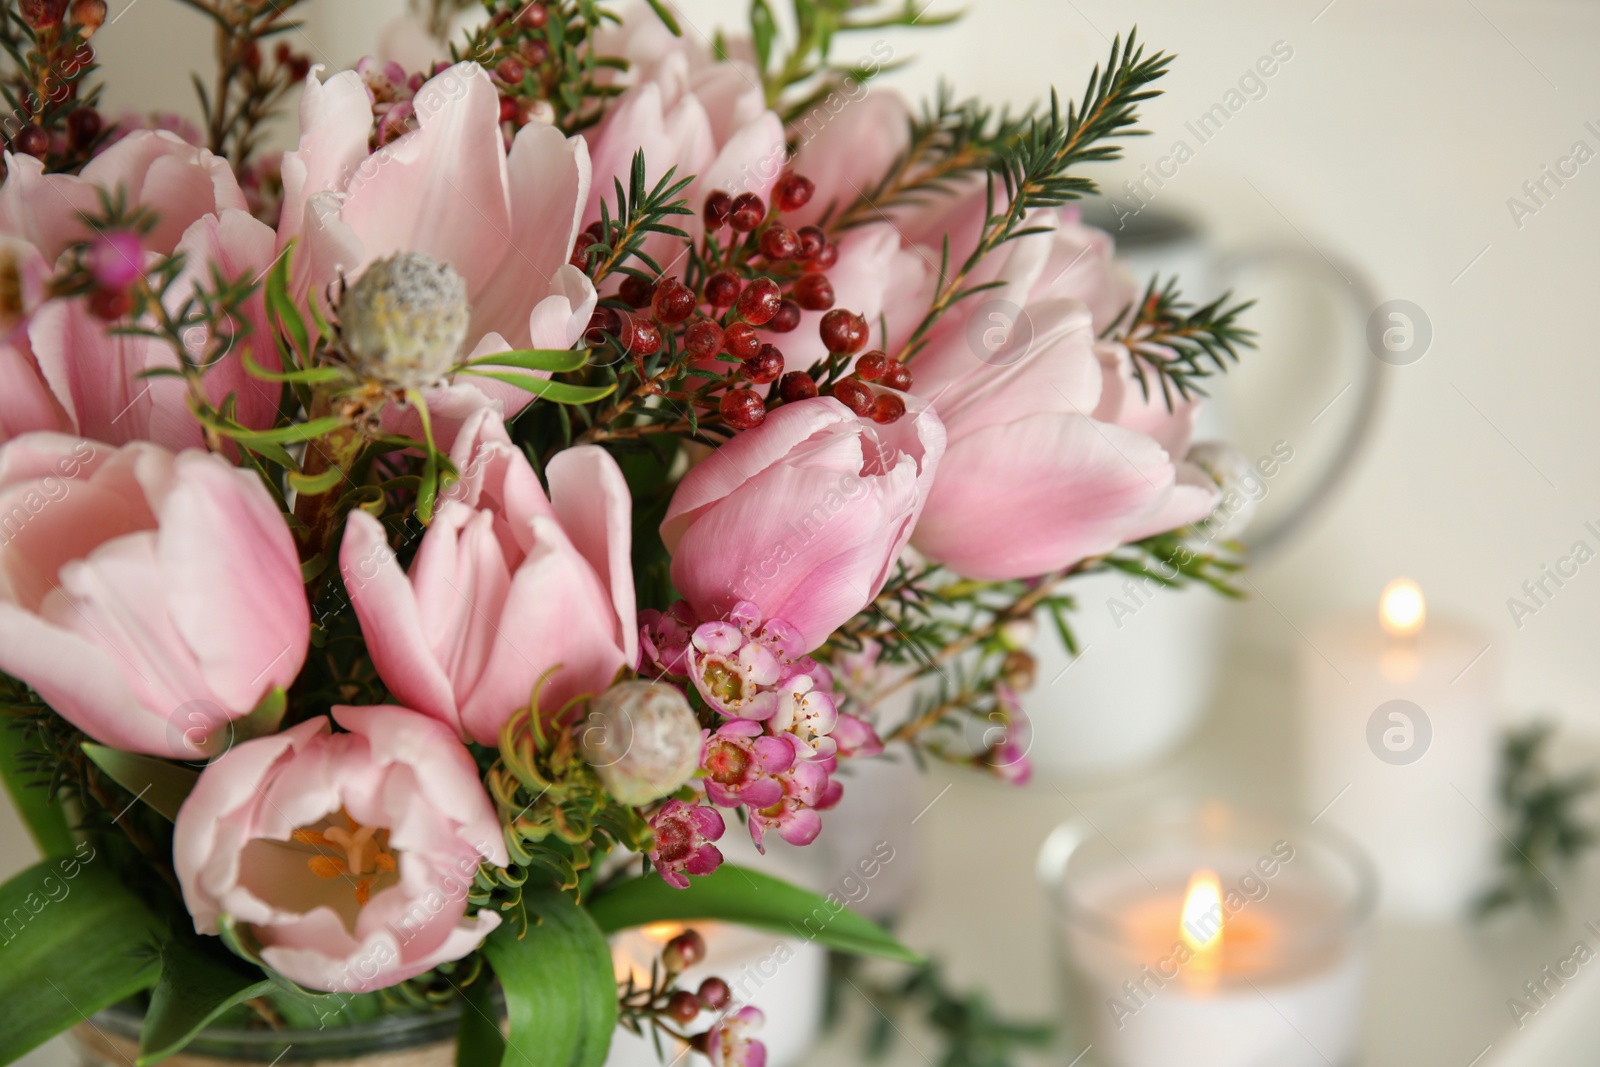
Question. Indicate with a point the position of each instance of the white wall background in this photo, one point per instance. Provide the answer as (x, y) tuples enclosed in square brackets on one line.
[(1392, 139)]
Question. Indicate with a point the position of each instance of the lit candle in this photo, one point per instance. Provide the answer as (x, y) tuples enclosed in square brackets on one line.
[(783, 977), (1208, 939), (1398, 731)]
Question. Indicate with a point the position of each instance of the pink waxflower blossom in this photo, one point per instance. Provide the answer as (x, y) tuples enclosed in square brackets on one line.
[(116, 260), (807, 788), (508, 587), (683, 841), (728, 1044), (855, 736), (741, 763), (803, 516), (345, 858), (730, 669), (807, 713), (150, 598), (1009, 740), (664, 639)]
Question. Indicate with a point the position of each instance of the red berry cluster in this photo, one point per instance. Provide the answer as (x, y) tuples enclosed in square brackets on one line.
[(760, 275), (515, 52)]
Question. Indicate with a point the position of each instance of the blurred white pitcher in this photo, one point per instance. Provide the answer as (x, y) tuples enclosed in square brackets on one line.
[(1298, 409)]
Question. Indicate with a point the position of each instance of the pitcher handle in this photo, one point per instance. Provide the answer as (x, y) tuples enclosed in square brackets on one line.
[(1370, 385)]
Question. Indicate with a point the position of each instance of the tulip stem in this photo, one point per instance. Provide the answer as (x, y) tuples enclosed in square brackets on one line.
[(320, 511)]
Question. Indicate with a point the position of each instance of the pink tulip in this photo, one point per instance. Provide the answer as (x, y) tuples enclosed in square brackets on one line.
[(803, 516), (1055, 454), (26, 402), (345, 859), (686, 109), (507, 586), (846, 144), (93, 375), (158, 171), (149, 598), (505, 221)]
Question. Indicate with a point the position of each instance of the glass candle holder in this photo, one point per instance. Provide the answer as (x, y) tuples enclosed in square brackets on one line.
[(1211, 936)]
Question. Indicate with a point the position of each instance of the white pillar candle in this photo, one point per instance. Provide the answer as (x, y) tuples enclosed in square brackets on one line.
[(1398, 732), (784, 977), (1202, 941)]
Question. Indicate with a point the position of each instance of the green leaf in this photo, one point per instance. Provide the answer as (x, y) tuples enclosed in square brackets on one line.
[(313, 376), (199, 981), (46, 822), (293, 433), (739, 895), (162, 785), (264, 719), (478, 1037), (559, 360), (665, 15), (75, 940), (763, 31), (316, 484), (561, 993), (556, 392), (281, 307)]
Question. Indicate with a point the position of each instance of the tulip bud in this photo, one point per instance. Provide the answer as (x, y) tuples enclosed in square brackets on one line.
[(1018, 634), (1020, 670), (683, 952), (116, 260), (43, 14), (404, 321), (88, 16), (643, 739)]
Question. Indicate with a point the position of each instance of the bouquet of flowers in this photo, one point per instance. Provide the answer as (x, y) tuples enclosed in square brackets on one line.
[(423, 545)]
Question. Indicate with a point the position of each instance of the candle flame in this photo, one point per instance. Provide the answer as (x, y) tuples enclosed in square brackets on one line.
[(1402, 609), (661, 933), (1201, 925)]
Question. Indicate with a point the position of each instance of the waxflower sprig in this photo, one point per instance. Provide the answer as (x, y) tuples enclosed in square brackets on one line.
[(1040, 168), (1176, 344), (947, 141), (247, 92), (543, 56), (54, 114)]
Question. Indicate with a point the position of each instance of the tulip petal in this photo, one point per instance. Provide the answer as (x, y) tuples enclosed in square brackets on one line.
[(234, 245), (387, 607), (95, 376), (747, 455), (595, 506), (248, 625), (177, 181), (80, 680), (335, 123), (397, 735), (578, 637), (548, 177), (1042, 493), (440, 189)]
